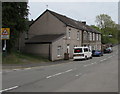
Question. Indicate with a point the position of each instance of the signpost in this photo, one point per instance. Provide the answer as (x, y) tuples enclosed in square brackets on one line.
[(5, 35)]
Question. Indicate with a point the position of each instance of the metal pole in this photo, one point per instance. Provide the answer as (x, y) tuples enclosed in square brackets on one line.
[(49, 52), (4, 48)]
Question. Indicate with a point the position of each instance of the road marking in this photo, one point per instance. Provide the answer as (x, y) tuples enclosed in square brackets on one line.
[(87, 65), (27, 68), (104, 59), (49, 77), (90, 64), (16, 69), (109, 56), (101, 60), (58, 73), (79, 74), (9, 89), (69, 70)]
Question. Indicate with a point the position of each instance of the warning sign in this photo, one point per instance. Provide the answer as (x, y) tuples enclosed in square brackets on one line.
[(5, 33)]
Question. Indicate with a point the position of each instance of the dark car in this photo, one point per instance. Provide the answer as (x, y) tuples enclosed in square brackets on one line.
[(108, 50), (97, 53)]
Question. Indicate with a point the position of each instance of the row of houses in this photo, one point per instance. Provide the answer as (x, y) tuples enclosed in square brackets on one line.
[(52, 35)]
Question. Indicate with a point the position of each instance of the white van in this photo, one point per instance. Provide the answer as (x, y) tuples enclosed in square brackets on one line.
[(82, 53)]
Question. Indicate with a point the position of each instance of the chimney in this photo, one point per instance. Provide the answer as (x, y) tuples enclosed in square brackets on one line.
[(84, 22), (32, 20)]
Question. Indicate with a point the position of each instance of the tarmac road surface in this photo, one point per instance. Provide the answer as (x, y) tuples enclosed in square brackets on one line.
[(99, 74)]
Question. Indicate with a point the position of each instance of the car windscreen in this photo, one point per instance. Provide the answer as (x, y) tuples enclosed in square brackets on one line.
[(78, 50)]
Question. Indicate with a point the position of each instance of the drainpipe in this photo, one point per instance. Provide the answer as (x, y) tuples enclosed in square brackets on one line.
[(49, 52)]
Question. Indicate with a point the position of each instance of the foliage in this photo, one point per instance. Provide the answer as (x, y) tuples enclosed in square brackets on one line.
[(104, 21), (14, 16), (109, 29)]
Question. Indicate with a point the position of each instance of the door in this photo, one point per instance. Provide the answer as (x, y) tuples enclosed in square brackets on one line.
[(68, 48)]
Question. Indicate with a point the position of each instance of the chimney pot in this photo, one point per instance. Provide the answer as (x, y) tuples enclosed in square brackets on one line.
[(84, 22)]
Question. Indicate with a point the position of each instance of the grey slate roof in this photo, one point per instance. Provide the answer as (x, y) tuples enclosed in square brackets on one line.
[(68, 21), (73, 23), (44, 39)]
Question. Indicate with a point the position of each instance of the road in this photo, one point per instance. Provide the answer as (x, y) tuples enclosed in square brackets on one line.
[(99, 74)]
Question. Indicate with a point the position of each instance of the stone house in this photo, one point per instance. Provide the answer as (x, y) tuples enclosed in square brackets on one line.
[(52, 35)]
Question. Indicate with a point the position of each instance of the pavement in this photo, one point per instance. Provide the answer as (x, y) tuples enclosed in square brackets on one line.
[(99, 74)]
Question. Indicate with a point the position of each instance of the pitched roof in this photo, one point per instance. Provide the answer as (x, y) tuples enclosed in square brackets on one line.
[(70, 22), (44, 39), (73, 23)]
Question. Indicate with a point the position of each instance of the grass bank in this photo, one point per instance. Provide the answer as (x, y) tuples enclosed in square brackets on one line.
[(22, 58)]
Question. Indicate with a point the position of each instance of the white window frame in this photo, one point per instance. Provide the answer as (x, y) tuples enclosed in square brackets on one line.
[(90, 36), (84, 35), (97, 38), (59, 51), (69, 33), (78, 35), (93, 36)]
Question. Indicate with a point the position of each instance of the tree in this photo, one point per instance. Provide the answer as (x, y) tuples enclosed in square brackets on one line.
[(104, 20), (108, 28), (14, 16)]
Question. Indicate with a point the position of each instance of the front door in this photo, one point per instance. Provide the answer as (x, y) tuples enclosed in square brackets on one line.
[(68, 48)]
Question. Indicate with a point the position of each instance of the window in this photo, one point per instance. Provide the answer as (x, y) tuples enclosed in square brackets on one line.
[(84, 35), (90, 36), (93, 36), (89, 50), (100, 37), (69, 35), (78, 50), (85, 49), (59, 51), (97, 37), (78, 35), (68, 48)]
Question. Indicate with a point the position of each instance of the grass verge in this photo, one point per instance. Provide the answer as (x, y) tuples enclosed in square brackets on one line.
[(22, 58)]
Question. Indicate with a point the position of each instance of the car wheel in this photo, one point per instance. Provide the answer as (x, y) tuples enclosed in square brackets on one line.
[(91, 57), (86, 58)]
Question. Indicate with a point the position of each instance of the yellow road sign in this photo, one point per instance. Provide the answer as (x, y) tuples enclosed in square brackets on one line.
[(5, 33)]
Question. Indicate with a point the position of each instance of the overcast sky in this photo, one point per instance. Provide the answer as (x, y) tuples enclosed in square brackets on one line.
[(82, 11)]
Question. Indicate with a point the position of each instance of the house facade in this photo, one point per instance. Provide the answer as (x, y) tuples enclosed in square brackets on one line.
[(52, 35)]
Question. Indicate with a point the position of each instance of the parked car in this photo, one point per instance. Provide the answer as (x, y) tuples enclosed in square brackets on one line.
[(97, 53), (108, 50), (82, 53)]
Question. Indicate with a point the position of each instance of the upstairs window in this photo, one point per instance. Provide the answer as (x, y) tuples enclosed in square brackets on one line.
[(69, 35), (100, 37), (93, 36), (97, 37), (90, 36), (78, 35), (85, 35)]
